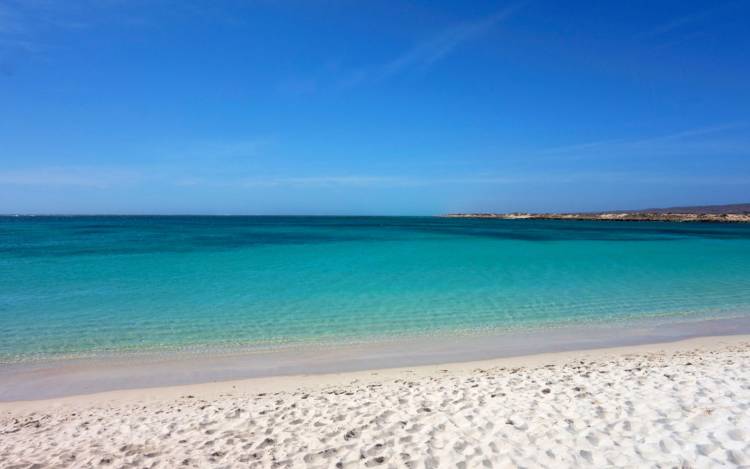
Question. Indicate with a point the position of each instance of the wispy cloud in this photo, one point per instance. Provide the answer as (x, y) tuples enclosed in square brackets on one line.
[(677, 23), (208, 149), (103, 178), (703, 139), (324, 181), (686, 20), (507, 179), (90, 177), (433, 49), (316, 181), (23, 23), (365, 180), (9, 23)]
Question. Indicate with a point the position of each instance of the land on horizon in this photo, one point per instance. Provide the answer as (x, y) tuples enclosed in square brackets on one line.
[(728, 213), (722, 212)]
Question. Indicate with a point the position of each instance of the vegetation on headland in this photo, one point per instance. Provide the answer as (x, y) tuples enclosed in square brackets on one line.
[(736, 213)]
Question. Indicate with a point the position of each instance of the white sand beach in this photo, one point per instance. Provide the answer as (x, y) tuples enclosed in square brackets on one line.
[(681, 404)]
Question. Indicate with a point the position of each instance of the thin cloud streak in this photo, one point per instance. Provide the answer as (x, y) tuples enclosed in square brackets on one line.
[(207, 149), (365, 181), (440, 46), (98, 178), (109, 178), (8, 21), (432, 50), (683, 141), (22, 22), (685, 20), (369, 181)]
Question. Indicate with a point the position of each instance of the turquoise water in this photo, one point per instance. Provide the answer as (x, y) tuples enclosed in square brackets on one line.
[(85, 286)]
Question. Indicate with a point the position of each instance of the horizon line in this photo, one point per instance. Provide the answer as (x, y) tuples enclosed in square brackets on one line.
[(693, 206)]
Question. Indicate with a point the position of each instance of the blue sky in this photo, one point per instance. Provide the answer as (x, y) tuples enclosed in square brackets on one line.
[(371, 107)]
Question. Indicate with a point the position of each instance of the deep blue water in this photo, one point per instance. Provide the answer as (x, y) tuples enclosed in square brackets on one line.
[(81, 286)]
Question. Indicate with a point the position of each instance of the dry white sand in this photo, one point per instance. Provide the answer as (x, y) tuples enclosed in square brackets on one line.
[(683, 404)]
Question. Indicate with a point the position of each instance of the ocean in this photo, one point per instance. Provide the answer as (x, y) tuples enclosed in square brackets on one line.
[(112, 285)]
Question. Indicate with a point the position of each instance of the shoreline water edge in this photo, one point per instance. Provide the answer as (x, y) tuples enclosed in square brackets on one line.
[(47, 379)]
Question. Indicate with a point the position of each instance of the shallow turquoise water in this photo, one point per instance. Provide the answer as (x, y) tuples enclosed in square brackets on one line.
[(80, 286)]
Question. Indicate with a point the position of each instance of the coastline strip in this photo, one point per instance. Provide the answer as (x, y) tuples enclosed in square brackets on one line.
[(49, 380)]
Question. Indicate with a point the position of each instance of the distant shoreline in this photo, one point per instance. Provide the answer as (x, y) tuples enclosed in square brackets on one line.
[(726, 213), (729, 213), (638, 216)]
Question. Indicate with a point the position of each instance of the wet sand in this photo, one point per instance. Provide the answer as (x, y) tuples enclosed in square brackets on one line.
[(49, 379)]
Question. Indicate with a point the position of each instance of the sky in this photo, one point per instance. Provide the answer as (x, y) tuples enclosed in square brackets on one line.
[(371, 107)]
